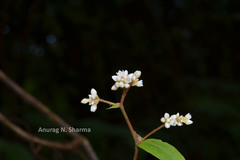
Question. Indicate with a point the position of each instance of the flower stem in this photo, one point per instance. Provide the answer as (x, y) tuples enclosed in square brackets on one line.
[(126, 116), (108, 102), (153, 131), (128, 123), (135, 153)]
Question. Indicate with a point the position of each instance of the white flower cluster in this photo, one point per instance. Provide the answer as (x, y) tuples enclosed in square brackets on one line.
[(93, 100), (122, 80), (176, 120), (125, 80)]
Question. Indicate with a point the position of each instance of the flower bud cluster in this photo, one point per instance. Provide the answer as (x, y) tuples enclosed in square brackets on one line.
[(125, 80), (176, 120), (122, 80)]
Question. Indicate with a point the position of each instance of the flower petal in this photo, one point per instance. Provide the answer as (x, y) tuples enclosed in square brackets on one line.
[(125, 73), (166, 115), (121, 84), (114, 88), (93, 91), (85, 100), (137, 74), (188, 116), (173, 116), (162, 119), (93, 108), (115, 78), (140, 83), (189, 122), (127, 85), (167, 125)]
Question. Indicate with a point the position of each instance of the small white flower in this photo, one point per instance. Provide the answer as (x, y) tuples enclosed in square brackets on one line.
[(125, 80), (93, 100), (187, 118), (179, 120), (135, 79), (173, 121), (139, 83), (166, 120)]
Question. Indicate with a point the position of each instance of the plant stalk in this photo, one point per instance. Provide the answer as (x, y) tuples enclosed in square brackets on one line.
[(152, 132), (136, 153), (126, 116), (108, 102)]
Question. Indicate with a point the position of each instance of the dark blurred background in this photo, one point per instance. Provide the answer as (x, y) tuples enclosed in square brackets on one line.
[(188, 52)]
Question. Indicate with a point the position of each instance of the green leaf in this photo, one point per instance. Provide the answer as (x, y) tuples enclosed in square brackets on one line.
[(112, 107), (161, 150)]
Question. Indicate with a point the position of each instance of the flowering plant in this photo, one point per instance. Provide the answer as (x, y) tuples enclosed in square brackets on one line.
[(157, 148)]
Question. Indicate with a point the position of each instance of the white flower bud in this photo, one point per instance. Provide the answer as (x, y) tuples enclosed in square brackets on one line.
[(84, 101), (121, 84), (93, 91), (166, 115), (188, 122), (137, 74), (162, 119), (127, 85), (188, 116), (167, 125), (114, 88), (115, 78), (93, 108)]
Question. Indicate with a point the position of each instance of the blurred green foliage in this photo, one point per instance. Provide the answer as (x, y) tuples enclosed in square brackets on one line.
[(6, 151), (188, 52)]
